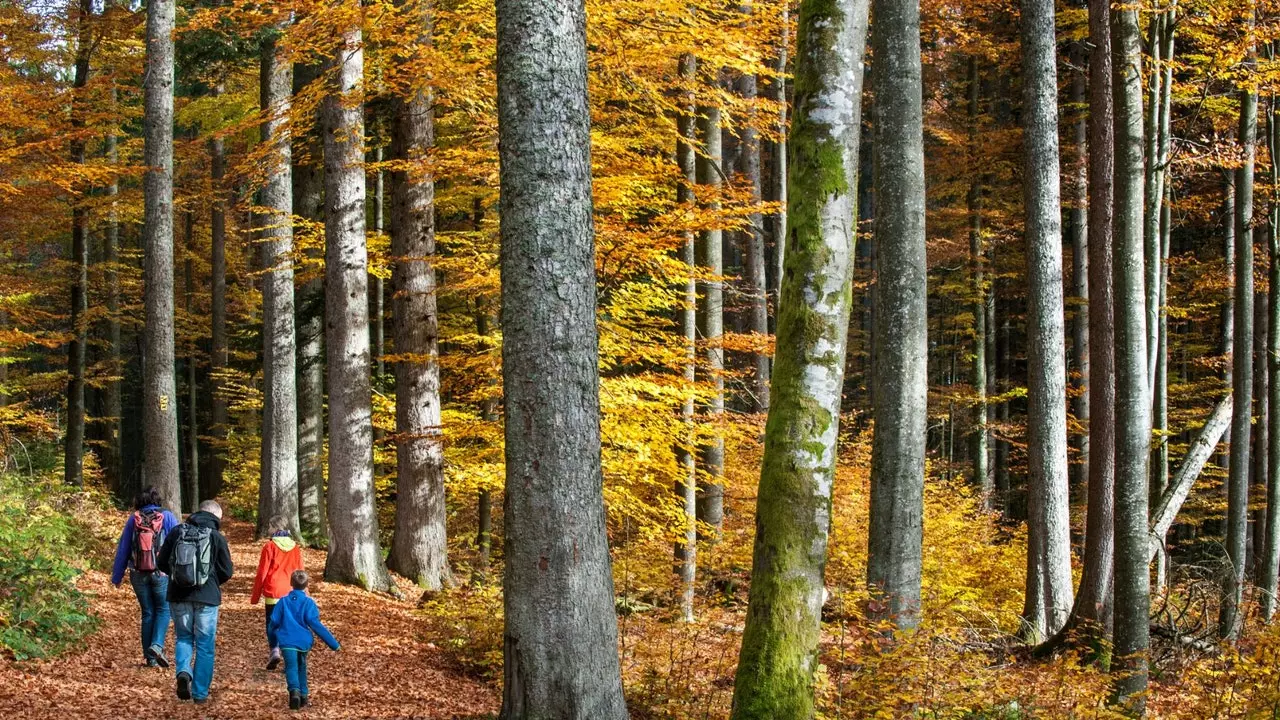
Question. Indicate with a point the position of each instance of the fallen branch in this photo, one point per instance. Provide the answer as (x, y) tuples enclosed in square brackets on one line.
[(1197, 455)]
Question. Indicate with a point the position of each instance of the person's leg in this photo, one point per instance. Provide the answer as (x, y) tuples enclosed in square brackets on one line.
[(206, 629), (273, 656), (291, 668), (160, 629), (142, 590), (302, 674), (183, 643)]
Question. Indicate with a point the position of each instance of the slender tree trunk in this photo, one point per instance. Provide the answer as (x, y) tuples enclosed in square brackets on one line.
[(1229, 617), (775, 676), (980, 434), (1258, 459), (755, 284), (1271, 544), (112, 405), (489, 414), (376, 296), (73, 460), (1049, 592), (1154, 193), (1079, 232), (686, 550), (420, 548), (711, 321), (159, 387), (1160, 381), (355, 555), (219, 417), (308, 204), (901, 327), (191, 480), (560, 653), (777, 92), (1133, 401)]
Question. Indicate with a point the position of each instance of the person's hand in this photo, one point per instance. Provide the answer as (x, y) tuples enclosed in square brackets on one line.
[(116, 585)]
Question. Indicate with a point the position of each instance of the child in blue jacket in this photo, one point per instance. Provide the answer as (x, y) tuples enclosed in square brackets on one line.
[(293, 621)]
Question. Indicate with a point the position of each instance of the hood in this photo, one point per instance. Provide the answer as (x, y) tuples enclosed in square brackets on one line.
[(203, 519), (284, 542)]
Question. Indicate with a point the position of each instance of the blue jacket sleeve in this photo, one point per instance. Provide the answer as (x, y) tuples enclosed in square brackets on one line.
[(123, 549), (313, 621), (170, 522)]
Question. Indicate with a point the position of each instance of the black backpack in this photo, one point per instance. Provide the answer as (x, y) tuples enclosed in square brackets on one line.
[(192, 556)]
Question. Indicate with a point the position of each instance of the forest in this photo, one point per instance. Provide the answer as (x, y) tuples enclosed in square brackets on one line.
[(657, 359)]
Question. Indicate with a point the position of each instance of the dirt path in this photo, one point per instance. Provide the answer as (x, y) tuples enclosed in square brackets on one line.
[(387, 667)]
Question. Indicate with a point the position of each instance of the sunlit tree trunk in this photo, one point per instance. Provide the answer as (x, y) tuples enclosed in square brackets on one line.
[(980, 434), (755, 285), (73, 458), (775, 675), (159, 388), (711, 320), (355, 555), (1160, 380), (112, 406), (686, 548), (560, 653), (901, 324), (777, 191)]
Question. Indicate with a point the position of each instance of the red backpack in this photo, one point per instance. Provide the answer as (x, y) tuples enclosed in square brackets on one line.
[(148, 535)]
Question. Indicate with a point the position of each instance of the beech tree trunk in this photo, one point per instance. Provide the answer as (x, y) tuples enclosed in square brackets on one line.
[(901, 323), (191, 480), (1049, 592), (219, 417), (1271, 544), (755, 281), (777, 191), (711, 321), (775, 675), (420, 548), (1160, 383), (686, 550), (355, 555), (1079, 233), (1133, 401), (159, 387), (112, 399), (73, 456), (560, 653), (980, 434)]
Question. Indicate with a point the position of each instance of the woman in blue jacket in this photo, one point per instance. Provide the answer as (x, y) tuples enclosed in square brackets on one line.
[(139, 546), (293, 621)]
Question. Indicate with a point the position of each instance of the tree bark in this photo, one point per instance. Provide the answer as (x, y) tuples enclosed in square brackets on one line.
[(1160, 381), (980, 433), (1049, 592), (1079, 233), (1271, 545), (560, 654), (755, 284), (775, 675), (73, 456), (355, 555), (711, 321), (901, 323), (1133, 401), (159, 387), (219, 417), (191, 480), (686, 549), (420, 548), (777, 91), (112, 402)]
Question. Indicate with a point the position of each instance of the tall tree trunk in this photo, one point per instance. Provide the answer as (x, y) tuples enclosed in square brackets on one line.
[(711, 320), (777, 192), (191, 480), (1133, 401), (1049, 592), (755, 284), (1160, 381), (112, 405), (1271, 544), (489, 414), (901, 325), (159, 387), (377, 304), (980, 434), (278, 489), (560, 653), (1079, 232), (219, 417), (686, 550), (355, 555), (775, 676), (1258, 458), (308, 204), (1154, 193), (420, 548), (73, 460), (1229, 617)]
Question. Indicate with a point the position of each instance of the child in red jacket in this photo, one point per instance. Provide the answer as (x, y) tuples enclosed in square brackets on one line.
[(280, 557)]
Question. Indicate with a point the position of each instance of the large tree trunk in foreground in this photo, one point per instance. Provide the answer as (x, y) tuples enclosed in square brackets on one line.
[(159, 386), (419, 549), (278, 488), (711, 320), (775, 676), (1048, 586), (560, 653), (686, 550), (1133, 401), (355, 555), (901, 324)]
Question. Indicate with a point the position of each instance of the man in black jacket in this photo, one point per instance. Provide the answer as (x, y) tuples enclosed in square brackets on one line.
[(196, 556)]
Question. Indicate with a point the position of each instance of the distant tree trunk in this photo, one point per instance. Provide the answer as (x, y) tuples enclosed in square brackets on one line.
[(73, 460), (755, 284), (159, 387), (777, 192), (112, 405), (775, 675), (1133, 401), (355, 555), (686, 550), (1258, 459), (980, 434), (1271, 543), (1229, 617), (191, 489), (560, 652), (1079, 232), (1160, 381), (1049, 592), (308, 203), (901, 325), (219, 417), (278, 490), (420, 548), (489, 414), (711, 320)]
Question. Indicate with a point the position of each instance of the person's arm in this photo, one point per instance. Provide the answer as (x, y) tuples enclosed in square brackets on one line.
[(164, 561), (223, 562), (260, 579), (317, 627), (123, 549), (170, 522)]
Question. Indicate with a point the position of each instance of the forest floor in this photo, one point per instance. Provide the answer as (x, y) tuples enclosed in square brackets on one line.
[(388, 666)]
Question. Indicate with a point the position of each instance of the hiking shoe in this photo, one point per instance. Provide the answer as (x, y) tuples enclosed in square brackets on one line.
[(151, 662), (273, 661), (201, 701), (157, 655), (306, 700), (295, 700), (184, 686)]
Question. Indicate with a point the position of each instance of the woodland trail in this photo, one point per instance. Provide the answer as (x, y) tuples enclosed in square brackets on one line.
[(387, 667)]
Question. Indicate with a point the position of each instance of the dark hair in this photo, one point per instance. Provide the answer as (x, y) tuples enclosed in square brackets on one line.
[(299, 580), (148, 496)]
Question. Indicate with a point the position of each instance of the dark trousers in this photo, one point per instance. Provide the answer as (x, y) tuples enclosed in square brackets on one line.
[(271, 636)]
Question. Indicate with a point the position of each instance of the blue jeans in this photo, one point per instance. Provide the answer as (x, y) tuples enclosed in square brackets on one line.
[(195, 625), (151, 589), (271, 637), (295, 670)]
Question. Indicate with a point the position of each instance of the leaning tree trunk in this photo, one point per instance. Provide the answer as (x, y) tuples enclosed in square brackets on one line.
[(1229, 616), (419, 548), (775, 676), (711, 320), (901, 323), (560, 653), (1133, 401), (159, 387), (278, 488), (1048, 595), (355, 555), (73, 460), (686, 549)]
